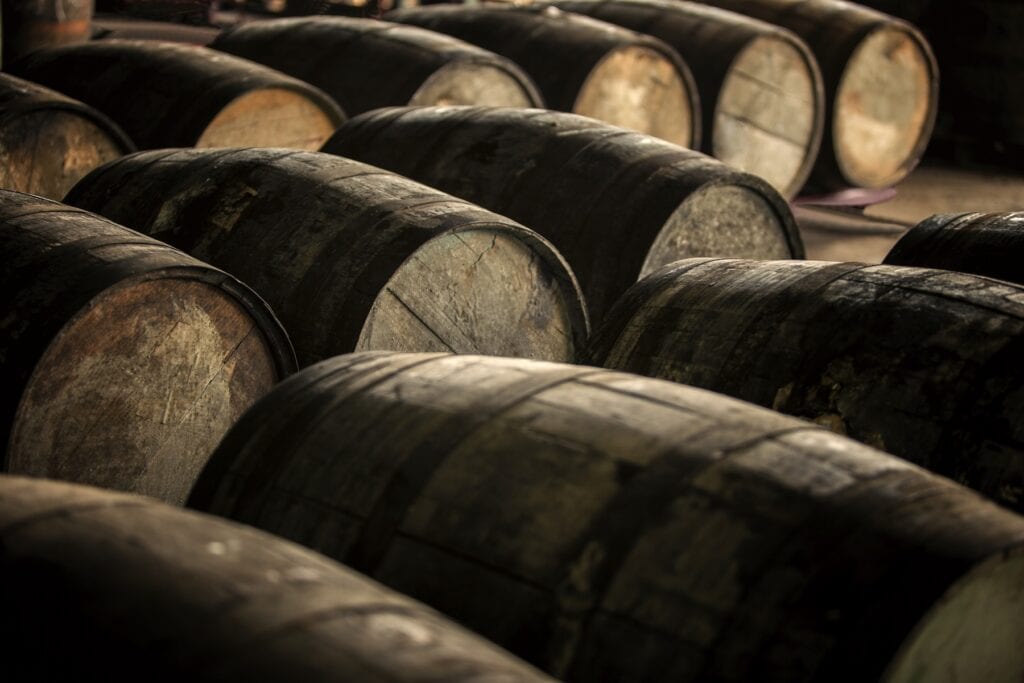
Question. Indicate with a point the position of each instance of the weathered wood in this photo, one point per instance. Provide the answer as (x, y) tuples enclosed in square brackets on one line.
[(366, 64), (921, 363), (29, 25), (582, 65), (126, 588), (763, 95), (48, 141), (617, 204), (989, 244), (172, 95), (609, 527), (881, 86), (122, 360), (351, 256)]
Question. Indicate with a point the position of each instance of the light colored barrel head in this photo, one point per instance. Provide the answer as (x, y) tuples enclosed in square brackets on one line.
[(469, 83), (475, 291), (767, 119), (137, 390), (883, 108), (269, 117), (637, 87)]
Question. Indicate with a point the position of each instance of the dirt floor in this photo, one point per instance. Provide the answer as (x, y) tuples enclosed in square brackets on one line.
[(831, 235)]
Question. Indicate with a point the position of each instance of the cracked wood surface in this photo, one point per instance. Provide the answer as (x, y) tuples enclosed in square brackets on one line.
[(120, 585), (124, 361), (609, 527), (921, 363), (616, 203), (349, 255)]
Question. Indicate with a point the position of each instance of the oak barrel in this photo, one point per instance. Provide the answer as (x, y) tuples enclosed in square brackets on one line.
[(921, 363), (29, 25), (172, 95), (48, 141), (617, 204), (609, 527), (581, 65), (349, 255), (989, 244), (122, 361), (366, 64), (881, 86), (760, 84), (124, 588)]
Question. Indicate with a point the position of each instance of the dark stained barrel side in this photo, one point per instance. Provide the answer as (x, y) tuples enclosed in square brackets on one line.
[(125, 587), (170, 95), (581, 65), (30, 25), (920, 363), (122, 361), (349, 255), (48, 141), (609, 527), (762, 91), (366, 64), (617, 204)]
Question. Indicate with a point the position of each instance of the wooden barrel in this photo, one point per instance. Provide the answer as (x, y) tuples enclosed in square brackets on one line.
[(122, 361), (351, 256), (48, 141), (608, 527), (617, 204), (762, 91), (164, 11), (130, 589), (29, 25), (173, 95), (582, 65), (117, 27), (989, 244), (921, 363), (366, 64), (881, 86)]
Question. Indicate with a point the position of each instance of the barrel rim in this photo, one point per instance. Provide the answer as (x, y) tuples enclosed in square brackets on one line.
[(513, 70)]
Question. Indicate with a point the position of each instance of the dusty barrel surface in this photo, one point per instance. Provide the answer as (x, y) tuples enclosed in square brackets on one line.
[(610, 527), (617, 204), (48, 141), (582, 65), (881, 86), (921, 363), (29, 25), (760, 85), (122, 584), (173, 95), (349, 255), (123, 361), (989, 244), (366, 64)]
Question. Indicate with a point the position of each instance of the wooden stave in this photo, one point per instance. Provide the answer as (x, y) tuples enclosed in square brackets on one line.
[(124, 191), (211, 81), (269, 482), (960, 433), (518, 197), (424, 53), (124, 584)]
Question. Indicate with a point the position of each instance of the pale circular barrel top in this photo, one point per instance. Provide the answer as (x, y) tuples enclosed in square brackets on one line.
[(269, 117), (465, 82)]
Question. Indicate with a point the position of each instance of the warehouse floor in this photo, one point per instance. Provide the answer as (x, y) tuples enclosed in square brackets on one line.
[(933, 188)]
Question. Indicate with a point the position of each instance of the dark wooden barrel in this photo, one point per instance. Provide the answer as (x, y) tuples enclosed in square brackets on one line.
[(173, 95), (351, 256), (762, 92), (881, 86), (118, 27), (989, 244), (921, 363), (582, 65), (126, 588), (609, 527), (196, 12), (48, 141), (366, 64), (122, 361), (29, 25), (617, 204)]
